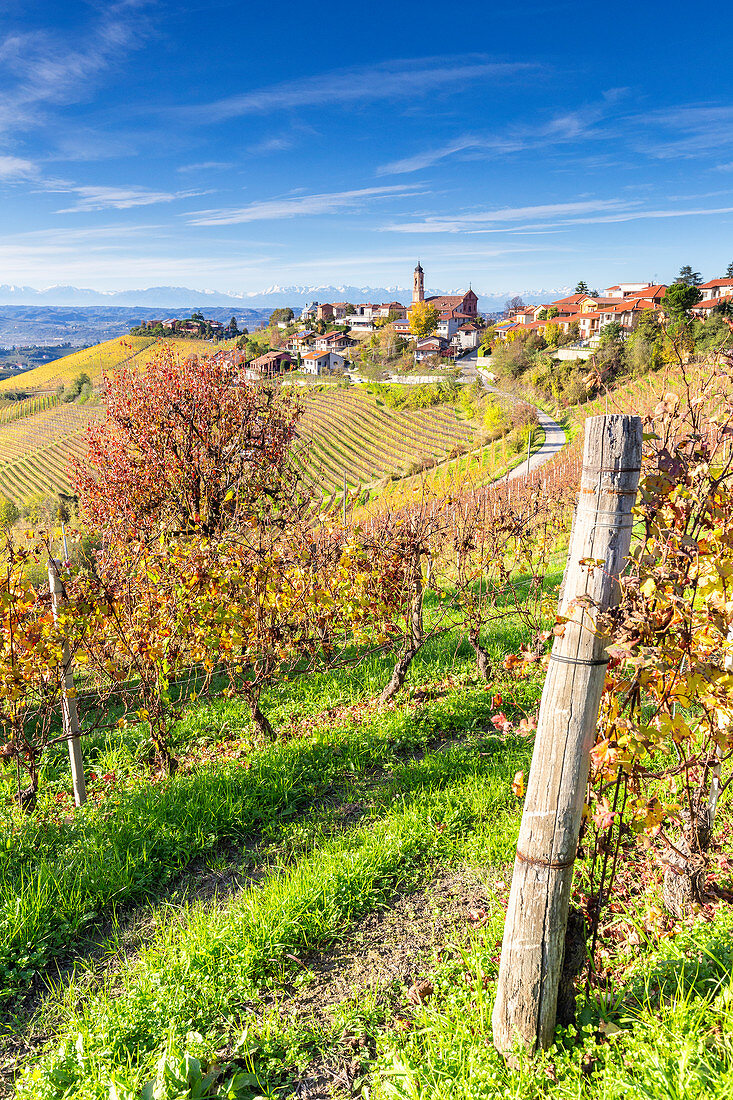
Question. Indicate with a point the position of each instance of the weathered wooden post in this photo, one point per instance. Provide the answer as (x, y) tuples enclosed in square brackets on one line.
[(69, 712), (534, 933)]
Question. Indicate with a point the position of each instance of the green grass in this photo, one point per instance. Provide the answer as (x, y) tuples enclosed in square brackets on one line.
[(196, 977), (202, 994), (63, 869)]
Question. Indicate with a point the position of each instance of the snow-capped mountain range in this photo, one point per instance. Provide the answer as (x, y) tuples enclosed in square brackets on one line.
[(177, 297)]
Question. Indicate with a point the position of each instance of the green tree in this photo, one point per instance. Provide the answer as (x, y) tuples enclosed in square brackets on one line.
[(423, 319), (8, 513), (582, 287), (284, 315), (680, 298), (729, 271), (233, 327), (688, 277), (611, 332), (81, 384), (197, 315), (553, 311)]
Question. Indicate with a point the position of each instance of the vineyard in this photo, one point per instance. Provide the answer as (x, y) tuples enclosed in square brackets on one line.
[(94, 361), (36, 448), (349, 432), (39, 435), (342, 432), (305, 761)]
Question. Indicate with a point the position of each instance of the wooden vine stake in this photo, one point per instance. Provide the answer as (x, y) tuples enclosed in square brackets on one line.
[(69, 714), (534, 933)]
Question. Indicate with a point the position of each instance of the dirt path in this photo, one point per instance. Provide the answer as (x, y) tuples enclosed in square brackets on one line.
[(388, 957)]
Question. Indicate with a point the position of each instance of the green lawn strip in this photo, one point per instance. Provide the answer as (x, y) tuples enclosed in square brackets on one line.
[(664, 1033), (199, 976), (59, 875)]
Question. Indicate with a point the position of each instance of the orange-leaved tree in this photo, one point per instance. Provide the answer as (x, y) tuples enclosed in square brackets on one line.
[(186, 444)]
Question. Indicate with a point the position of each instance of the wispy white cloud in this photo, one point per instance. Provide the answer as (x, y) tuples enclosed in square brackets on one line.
[(693, 130), (39, 70), (298, 206), (399, 79), (92, 198), (569, 127), (276, 144), (480, 221), (205, 166), (16, 168), (426, 158), (550, 218)]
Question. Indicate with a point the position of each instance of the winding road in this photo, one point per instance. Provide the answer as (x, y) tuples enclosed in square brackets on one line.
[(554, 435)]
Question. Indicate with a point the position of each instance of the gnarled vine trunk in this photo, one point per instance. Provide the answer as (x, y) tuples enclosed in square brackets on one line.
[(483, 661), (416, 633), (684, 873), (261, 721)]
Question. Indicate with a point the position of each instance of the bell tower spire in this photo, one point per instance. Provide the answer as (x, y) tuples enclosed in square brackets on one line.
[(418, 285)]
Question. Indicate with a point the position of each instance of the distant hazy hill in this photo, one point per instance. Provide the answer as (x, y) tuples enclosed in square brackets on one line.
[(85, 325)]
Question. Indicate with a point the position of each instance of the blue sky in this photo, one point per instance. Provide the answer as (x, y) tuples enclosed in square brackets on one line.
[(234, 146)]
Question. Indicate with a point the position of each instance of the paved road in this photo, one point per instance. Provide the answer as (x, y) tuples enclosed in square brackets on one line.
[(554, 434), (554, 442)]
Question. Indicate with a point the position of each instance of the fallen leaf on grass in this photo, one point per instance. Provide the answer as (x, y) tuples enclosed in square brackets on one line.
[(420, 992), (477, 916), (518, 784)]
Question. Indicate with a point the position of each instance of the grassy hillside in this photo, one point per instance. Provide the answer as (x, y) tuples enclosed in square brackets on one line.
[(324, 910)]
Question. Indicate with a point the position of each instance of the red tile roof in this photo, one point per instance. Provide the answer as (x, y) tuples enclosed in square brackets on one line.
[(711, 303)]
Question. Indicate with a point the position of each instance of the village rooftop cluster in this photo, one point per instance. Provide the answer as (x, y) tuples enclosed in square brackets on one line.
[(585, 315), (311, 346)]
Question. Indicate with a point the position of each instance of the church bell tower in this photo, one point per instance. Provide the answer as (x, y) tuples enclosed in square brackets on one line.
[(418, 286)]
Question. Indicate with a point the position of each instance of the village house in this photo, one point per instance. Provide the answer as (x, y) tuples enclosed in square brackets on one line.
[(269, 365), (433, 346), (704, 309), (626, 312), (465, 338), (301, 341), (447, 327), (309, 312), (716, 289), (323, 362), (332, 341)]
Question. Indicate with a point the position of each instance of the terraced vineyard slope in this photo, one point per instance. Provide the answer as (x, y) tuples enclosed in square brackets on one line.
[(35, 450), (343, 431), (350, 432), (94, 361)]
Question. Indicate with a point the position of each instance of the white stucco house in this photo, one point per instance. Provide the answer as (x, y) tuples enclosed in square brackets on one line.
[(322, 362)]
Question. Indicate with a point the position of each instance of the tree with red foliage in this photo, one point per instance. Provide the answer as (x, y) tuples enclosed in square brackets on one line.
[(186, 445)]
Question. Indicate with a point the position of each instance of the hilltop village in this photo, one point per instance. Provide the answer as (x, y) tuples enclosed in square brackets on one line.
[(379, 340)]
